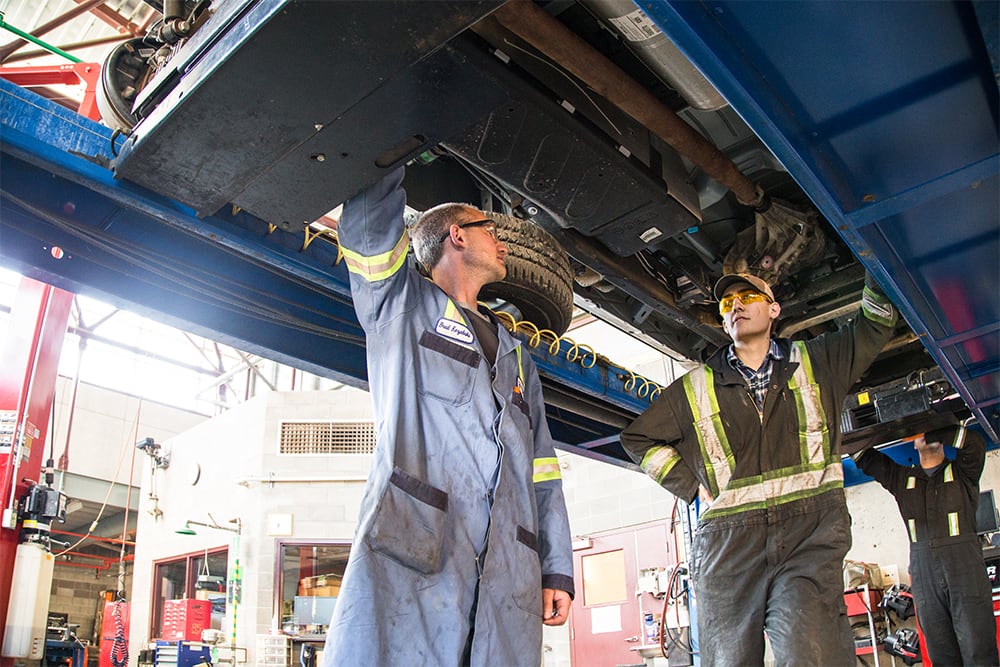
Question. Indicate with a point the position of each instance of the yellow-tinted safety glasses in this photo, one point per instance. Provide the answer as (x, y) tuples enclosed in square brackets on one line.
[(747, 296)]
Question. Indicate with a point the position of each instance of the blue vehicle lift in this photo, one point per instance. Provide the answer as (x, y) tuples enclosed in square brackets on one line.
[(886, 114), (230, 277)]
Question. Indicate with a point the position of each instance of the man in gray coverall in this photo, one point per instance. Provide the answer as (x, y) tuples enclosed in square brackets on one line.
[(757, 431), (463, 549)]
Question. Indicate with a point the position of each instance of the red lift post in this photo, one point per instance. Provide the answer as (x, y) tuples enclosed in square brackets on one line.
[(30, 363)]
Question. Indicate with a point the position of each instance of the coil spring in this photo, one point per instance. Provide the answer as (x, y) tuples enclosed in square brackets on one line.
[(643, 387), (580, 353)]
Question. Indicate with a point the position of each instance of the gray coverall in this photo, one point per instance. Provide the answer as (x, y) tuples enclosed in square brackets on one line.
[(768, 553), (463, 520)]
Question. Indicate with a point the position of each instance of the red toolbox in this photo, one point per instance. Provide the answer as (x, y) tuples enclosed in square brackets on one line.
[(184, 619)]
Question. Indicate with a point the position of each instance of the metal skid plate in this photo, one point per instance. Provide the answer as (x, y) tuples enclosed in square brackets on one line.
[(572, 178), (275, 94)]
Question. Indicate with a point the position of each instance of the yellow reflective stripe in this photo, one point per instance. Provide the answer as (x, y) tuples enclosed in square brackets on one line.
[(757, 493), (520, 369), (877, 307), (453, 313), (659, 461), (953, 524), (814, 433), (546, 469), (378, 267), (699, 387), (912, 525), (911, 483), (949, 476), (818, 472)]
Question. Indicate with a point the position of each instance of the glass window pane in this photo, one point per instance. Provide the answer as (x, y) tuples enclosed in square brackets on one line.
[(310, 580), (210, 583), (604, 578), (169, 581)]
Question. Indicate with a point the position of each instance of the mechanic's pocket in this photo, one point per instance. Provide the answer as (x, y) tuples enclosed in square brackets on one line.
[(409, 523), (526, 574), (445, 370)]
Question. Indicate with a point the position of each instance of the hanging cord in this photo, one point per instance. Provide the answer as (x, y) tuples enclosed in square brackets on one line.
[(119, 648), (107, 496), (665, 629)]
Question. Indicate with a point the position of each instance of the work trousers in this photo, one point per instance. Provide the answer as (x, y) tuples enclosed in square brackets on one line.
[(954, 604), (778, 570)]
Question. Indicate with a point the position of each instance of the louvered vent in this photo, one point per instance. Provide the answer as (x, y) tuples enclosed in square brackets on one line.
[(327, 438)]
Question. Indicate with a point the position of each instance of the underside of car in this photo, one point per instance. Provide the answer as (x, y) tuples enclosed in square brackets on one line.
[(581, 119)]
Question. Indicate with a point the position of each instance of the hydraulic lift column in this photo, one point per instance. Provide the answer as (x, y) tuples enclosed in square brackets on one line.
[(29, 363)]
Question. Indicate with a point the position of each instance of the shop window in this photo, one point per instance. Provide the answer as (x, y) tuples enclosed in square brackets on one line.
[(309, 577), (196, 576)]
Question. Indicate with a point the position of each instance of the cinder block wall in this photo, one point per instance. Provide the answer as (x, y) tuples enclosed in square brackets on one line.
[(236, 454), (77, 592)]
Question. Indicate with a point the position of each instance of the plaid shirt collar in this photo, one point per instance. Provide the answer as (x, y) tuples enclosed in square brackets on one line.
[(757, 380)]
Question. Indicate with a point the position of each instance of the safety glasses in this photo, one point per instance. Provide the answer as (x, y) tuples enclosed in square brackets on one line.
[(747, 296), (489, 225)]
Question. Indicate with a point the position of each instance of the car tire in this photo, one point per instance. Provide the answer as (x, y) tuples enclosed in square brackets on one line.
[(539, 281)]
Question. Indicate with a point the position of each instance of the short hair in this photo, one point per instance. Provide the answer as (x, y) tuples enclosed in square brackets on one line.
[(426, 233)]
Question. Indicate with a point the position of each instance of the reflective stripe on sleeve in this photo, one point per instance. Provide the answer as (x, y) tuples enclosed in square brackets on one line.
[(911, 482), (659, 461), (547, 469), (912, 525), (877, 308), (378, 267)]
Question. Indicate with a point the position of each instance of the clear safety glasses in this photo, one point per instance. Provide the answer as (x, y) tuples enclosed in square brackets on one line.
[(489, 225), (746, 297)]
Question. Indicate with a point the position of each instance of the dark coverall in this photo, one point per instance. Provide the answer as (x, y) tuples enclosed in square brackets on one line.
[(768, 553), (950, 588)]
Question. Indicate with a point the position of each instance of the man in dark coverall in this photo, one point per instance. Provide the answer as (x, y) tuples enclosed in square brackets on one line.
[(462, 550), (757, 430), (938, 502)]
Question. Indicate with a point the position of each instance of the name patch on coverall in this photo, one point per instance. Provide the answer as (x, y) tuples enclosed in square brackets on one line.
[(454, 330)]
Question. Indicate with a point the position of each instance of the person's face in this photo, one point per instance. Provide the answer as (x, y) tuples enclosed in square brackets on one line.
[(921, 445), (485, 250), (746, 311)]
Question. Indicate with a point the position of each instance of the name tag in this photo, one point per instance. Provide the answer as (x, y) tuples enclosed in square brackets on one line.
[(454, 330)]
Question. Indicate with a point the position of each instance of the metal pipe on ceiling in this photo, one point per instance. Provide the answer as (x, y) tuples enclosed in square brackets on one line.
[(569, 51), (651, 46)]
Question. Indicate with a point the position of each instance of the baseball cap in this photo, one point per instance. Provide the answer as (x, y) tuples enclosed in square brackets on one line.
[(733, 278)]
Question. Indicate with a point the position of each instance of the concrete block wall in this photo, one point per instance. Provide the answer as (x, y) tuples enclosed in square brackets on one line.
[(77, 592), (243, 475)]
